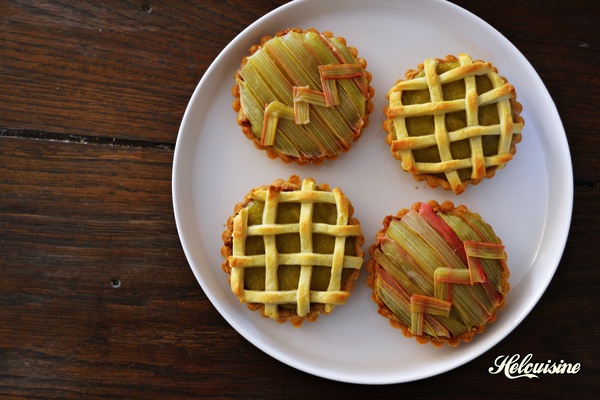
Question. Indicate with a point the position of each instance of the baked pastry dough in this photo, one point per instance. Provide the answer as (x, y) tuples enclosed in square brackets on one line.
[(453, 122), (293, 249), (303, 96), (438, 273)]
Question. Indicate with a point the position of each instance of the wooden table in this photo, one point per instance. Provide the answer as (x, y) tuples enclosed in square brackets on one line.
[(96, 297)]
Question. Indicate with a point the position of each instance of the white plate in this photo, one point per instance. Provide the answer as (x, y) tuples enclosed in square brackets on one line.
[(215, 166)]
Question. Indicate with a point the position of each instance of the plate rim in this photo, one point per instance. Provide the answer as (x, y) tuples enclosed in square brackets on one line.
[(566, 204)]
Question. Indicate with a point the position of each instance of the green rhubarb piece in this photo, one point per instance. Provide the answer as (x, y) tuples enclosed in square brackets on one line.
[(418, 224), (484, 250), (400, 265), (393, 295), (273, 112), (429, 305), (416, 323), (476, 251), (329, 75), (422, 308), (303, 97), (470, 227)]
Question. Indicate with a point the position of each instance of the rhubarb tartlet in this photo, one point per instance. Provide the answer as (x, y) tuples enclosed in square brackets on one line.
[(293, 250), (438, 273), (453, 122), (303, 96)]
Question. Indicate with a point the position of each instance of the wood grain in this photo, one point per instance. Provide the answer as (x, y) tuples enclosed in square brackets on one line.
[(96, 297), (116, 69)]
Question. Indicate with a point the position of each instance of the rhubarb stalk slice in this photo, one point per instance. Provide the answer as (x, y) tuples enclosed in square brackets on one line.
[(421, 305), (429, 305), (477, 250), (437, 223), (303, 97), (484, 250), (330, 73), (274, 111)]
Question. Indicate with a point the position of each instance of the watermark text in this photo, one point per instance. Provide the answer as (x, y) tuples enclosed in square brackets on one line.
[(514, 367)]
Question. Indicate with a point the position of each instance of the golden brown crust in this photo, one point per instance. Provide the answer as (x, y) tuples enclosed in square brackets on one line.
[(434, 180), (246, 125), (395, 322), (283, 314)]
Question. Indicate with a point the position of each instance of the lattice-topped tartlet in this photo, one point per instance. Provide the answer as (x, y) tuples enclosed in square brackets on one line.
[(438, 273), (293, 249), (303, 96), (453, 121)]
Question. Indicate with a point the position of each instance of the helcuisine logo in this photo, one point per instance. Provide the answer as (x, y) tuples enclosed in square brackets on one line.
[(514, 367)]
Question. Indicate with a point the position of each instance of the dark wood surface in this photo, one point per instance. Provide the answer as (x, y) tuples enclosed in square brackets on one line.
[(96, 297)]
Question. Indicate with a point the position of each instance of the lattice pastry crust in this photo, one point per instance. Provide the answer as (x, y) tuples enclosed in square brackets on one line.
[(302, 302), (450, 171)]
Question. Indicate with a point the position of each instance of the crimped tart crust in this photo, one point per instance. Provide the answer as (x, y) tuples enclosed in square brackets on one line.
[(293, 249), (453, 122), (303, 96), (438, 273)]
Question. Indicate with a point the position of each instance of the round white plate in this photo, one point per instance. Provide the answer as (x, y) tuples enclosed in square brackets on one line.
[(215, 166)]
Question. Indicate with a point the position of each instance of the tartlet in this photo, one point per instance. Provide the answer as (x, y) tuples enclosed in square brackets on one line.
[(438, 273), (453, 122), (293, 249), (303, 96)]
